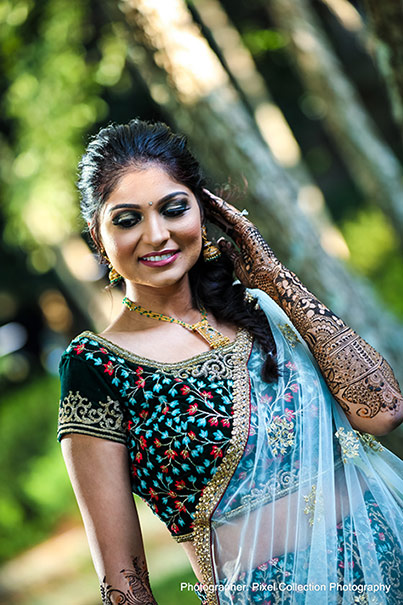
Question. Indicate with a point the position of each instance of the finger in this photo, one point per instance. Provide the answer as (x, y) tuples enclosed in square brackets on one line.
[(227, 248), (220, 208)]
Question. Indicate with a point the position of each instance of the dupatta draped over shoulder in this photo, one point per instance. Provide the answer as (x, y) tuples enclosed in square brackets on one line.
[(304, 509)]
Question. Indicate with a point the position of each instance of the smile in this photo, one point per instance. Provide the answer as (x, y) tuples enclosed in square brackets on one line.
[(159, 260)]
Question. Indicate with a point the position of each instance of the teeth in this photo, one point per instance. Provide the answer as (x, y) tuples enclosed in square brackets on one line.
[(155, 258)]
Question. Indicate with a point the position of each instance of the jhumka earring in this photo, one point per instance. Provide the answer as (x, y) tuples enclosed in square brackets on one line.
[(210, 250), (114, 276)]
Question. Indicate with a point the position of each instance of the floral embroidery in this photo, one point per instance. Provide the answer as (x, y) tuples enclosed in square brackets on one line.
[(280, 434), (177, 423), (369, 440), (314, 505), (349, 443), (289, 334)]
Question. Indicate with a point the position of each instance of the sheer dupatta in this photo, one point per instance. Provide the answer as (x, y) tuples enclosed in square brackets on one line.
[(311, 510)]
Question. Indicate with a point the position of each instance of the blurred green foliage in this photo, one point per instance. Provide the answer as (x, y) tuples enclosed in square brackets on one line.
[(36, 493), (51, 100), (375, 252)]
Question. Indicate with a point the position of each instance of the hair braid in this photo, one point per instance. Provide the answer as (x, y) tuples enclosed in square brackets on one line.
[(213, 287)]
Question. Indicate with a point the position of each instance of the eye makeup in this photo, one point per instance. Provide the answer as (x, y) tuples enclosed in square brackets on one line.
[(130, 215)]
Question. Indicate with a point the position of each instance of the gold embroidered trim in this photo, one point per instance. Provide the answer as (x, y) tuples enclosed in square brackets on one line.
[(183, 538), (258, 498), (162, 365), (79, 415), (214, 490)]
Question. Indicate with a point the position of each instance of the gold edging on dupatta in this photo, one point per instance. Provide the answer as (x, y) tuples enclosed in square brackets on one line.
[(215, 489)]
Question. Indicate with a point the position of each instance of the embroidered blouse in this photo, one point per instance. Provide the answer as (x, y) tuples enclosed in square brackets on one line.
[(176, 419)]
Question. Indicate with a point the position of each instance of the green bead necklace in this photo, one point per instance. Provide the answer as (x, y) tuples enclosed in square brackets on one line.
[(212, 336)]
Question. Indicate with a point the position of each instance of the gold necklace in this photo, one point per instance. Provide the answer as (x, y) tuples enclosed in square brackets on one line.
[(212, 336)]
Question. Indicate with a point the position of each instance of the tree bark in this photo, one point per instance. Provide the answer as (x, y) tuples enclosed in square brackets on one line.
[(270, 121), (387, 23), (186, 78), (372, 164)]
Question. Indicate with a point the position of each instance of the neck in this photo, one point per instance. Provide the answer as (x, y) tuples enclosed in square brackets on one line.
[(175, 300)]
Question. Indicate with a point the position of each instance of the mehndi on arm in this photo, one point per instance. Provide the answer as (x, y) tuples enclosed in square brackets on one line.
[(359, 377)]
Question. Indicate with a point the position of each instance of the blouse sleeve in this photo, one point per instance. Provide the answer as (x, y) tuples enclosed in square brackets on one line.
[(88, 405)]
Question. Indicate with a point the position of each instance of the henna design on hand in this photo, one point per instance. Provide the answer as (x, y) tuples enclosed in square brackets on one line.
[(138, 592), (359, 378)]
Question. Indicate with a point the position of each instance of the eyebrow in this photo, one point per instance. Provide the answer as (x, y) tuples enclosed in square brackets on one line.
[(163, 200)]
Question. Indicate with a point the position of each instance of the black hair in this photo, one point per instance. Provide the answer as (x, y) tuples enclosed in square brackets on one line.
[(119, 148)]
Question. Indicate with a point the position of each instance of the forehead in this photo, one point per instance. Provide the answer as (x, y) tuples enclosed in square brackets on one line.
[(142, 185)]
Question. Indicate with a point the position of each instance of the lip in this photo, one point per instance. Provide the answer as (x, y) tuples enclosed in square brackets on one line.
[(146, 259)]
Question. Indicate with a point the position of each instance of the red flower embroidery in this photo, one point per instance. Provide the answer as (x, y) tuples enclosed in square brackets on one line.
[(153, 493), (143, 414), (157, 442), (104, 351), (213, 421), (79, 348), (129, 425), (164, 468), (175, 528), (139, 371), (225, 421), (185, 454), (165, 410), (170, 453), (191, 435), (185, 390), (172, 493), (139, 456), (180, 506), (192, 409), (141, 383), (216, 451), (143, 442), (207, 394), (108, 368), (180, 484)]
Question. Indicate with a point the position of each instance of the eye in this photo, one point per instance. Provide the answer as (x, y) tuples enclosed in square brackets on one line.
[(126, 219), (176, 208)]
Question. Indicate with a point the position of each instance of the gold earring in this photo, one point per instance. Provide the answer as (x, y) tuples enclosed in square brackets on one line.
[(114, 276), (210, 250)]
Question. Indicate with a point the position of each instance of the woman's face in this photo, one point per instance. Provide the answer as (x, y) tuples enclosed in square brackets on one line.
[(150, 228)]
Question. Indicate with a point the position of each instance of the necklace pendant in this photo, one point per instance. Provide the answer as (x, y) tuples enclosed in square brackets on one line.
[(211, 335)]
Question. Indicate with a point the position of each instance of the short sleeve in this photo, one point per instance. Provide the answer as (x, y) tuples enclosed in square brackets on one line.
[(88, 405)]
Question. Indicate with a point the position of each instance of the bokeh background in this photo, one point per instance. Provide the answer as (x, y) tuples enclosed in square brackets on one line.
[(294, 108)]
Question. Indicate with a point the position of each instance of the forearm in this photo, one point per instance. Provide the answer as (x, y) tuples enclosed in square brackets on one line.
[(132, 587), (359, 378)]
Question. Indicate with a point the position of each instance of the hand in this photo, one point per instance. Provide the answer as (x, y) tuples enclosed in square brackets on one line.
[(255, 263)]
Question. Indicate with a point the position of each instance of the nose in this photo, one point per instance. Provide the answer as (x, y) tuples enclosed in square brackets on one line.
[(155, 231)]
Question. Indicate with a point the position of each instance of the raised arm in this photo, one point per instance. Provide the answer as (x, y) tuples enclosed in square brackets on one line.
[(359, 378), (99, 473)]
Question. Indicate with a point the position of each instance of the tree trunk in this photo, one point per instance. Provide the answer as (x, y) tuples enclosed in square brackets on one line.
[(270, 121), (387, 21), (185, 76), (372, 164)]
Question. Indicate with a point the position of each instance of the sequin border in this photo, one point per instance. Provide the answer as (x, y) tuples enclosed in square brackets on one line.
[(215, 489), (162, 365)]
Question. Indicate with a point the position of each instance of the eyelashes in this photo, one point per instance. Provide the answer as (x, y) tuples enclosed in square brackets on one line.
[(128, 219)]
